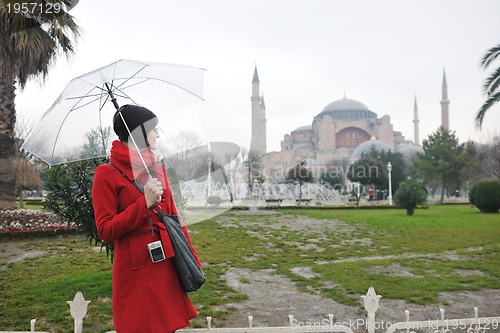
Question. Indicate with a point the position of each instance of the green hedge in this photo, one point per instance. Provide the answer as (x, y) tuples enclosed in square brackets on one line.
[(485, 195)]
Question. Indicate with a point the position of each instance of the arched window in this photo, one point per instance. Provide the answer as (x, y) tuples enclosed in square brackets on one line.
[(351, 137)]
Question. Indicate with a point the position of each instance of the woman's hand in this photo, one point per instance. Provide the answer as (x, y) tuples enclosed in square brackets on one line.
[(152, 191)]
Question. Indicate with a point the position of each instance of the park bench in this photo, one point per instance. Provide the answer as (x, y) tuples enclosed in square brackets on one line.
[(270, 202), (352, 201), (306, 201)]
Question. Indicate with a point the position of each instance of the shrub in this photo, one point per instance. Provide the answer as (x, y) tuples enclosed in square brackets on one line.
[(410, 194), (214, 200), (485, 195), (70, 196)]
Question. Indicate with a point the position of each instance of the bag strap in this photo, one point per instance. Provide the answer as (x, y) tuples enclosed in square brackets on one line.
[(155, 207), (139, 186)]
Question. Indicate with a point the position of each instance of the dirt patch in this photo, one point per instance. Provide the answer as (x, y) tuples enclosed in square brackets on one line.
[(392, 269), (273, 297), (12, 252), (277, 221)]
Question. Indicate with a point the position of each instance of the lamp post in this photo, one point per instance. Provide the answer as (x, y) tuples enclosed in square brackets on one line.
[(389, 169), (209, 164)]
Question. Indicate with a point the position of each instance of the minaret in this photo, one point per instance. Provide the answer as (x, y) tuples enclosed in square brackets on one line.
[(445, 119), (416, 136), (258, 140), (263, 125)]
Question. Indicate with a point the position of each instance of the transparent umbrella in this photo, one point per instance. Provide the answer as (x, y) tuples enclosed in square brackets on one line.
[(79, 124)]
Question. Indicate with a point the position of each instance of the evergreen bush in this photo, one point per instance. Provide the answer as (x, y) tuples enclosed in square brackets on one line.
[(410, 194), (214, 200), (70, 196), (485, 195)]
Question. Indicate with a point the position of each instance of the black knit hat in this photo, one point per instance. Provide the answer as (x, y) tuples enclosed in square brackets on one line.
[(135, 116)]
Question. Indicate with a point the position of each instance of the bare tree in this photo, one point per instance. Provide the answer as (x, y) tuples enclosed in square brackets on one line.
[(97, 142), (183, 153), (491, 162), (25, 170), (26, 178), (184, 142)]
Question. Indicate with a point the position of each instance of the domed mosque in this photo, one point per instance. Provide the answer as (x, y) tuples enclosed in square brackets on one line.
[(343, 130)]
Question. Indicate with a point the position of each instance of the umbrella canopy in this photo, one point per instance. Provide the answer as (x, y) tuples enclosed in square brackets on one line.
[(79, 125)]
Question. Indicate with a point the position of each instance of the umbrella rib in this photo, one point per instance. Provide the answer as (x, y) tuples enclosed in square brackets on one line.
[(88, 94), (149, 78), (123, 94), (132, 76), (58, 133), (118, 88), (101, 106), (182, 88), (66, 117)]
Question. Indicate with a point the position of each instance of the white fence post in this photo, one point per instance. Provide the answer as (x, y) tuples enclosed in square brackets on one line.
[(443, 325), (371, 303), (79, 306), (78, 310)]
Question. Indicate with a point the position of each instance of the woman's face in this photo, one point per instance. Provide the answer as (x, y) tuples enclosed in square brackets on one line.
[(152, 136)]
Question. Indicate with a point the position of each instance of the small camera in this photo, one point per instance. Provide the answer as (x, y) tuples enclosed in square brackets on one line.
[(156, 252)]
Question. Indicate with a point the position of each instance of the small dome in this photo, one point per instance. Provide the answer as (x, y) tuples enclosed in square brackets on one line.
[(304, 128), (366, 146), (346, 108), (410, 151)]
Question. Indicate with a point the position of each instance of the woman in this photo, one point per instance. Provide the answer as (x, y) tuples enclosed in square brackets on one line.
[(147, 296)]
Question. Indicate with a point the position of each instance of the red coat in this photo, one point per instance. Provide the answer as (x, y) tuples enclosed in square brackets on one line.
[(147, 297)]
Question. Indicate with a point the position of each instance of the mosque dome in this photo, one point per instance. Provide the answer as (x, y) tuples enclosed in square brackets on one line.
[(410, 151), (304, 128), (366, 146), (346, 108)]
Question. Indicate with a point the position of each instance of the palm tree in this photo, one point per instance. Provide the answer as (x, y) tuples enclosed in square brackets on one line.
[(29, 44), (491, 86)]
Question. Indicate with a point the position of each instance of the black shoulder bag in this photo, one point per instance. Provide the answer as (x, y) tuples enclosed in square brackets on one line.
[(190, 275)]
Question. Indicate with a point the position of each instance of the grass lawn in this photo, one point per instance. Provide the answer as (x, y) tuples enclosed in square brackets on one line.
[(350, 249), (30, 205)]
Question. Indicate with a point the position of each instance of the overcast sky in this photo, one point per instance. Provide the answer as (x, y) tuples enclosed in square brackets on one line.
[(308, 54)]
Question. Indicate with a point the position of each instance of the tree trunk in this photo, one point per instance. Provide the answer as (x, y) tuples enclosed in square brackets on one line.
[(7, 149), (441, 200)]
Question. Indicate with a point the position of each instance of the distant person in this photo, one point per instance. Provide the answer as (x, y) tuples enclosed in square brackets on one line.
[(147, 296), (370, 194)]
